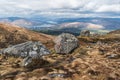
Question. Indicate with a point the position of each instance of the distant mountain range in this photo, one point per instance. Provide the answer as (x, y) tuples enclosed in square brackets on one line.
[(59, 25)]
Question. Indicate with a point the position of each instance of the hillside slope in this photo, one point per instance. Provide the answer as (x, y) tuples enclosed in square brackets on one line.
[(115, 32), (12, 34), (95, 59)]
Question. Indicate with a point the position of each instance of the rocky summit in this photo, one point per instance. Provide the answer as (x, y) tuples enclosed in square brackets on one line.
[(97, 58), (65, 43), (28, 50)]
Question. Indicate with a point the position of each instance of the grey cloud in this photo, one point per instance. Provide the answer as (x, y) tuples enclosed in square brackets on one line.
[(67, 8)]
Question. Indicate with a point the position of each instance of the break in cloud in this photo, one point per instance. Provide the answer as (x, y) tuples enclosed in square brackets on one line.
[(60, 8)]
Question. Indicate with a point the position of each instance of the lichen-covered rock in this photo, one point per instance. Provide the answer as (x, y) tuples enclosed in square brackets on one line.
[(85, 33), (65, 43), (28, 50)]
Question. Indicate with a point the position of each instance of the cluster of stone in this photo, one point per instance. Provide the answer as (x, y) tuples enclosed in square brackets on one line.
[(28, 50), (31, 51)]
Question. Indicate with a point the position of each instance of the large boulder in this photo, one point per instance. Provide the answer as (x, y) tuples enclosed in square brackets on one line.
[(65, 43), (85, 33), (30, 51)]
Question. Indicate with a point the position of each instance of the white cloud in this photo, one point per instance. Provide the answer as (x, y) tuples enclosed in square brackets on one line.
[(109, 8), (24, 6), (78, 8)]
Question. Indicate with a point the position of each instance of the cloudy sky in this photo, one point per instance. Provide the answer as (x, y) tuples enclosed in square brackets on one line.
[(60, 8)]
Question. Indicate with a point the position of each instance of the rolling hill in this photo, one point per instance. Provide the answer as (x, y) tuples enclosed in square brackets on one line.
[(12, 34), (56, 26)]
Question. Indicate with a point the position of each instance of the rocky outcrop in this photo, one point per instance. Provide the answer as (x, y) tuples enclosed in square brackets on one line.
[(65, 43), (95, 58), (85, 33), (30, 51)]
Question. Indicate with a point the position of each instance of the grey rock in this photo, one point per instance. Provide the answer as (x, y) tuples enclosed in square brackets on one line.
[(28, 50), (99, 43), (85, 33), (62, 75), (113, 56), (65, 43)]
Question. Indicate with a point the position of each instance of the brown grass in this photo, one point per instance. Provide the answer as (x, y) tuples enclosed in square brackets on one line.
[(11, 34)]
